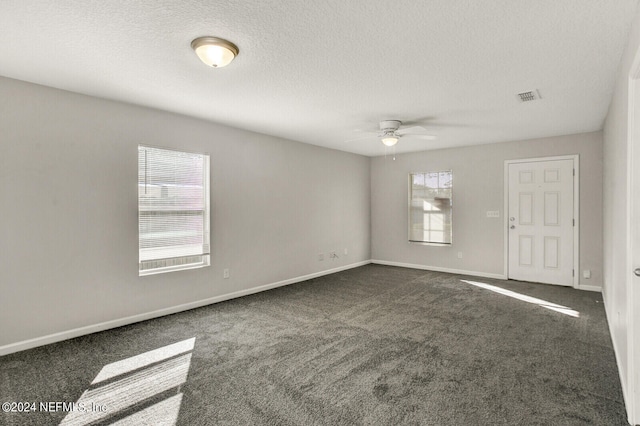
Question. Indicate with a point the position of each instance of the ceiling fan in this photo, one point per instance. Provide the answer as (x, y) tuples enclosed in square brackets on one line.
[(390, 132)]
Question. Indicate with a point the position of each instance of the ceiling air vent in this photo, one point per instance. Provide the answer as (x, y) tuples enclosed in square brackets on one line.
[(531, 95)]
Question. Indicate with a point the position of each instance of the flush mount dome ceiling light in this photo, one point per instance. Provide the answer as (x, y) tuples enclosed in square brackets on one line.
[(214, 52)]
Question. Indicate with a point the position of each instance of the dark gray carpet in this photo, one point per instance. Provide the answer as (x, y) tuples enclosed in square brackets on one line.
[(373, 345)]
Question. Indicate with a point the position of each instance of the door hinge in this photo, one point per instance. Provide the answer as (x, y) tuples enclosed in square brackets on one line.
[(573, 272), (574, 222), (574, 172)]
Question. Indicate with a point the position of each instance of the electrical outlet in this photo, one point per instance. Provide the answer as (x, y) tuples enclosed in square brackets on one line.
[(225, 273), (320, 257), (586, 273), (459, 255)]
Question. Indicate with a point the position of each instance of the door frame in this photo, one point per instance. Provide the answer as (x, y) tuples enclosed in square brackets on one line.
[(631, 384), (576, 210)]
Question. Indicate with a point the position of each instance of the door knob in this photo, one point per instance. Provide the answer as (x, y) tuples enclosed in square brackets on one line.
[(514, 227), (637, 272), (512, 218)]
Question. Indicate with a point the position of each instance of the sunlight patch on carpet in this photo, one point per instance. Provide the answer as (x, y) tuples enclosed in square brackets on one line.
[(121, 385), (543, 303)]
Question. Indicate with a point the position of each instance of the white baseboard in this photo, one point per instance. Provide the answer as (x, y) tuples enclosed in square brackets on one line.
[(590, 288), (616, 351), (439, 269), (81, 331)]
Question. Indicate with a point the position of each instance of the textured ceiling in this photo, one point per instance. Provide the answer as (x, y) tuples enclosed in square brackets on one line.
[(322, 72)]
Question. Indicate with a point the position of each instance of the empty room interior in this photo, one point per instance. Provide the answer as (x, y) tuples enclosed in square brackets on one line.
[(363, 212)]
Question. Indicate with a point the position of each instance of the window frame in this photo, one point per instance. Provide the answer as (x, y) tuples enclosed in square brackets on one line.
[(409, 200), (205, 257)]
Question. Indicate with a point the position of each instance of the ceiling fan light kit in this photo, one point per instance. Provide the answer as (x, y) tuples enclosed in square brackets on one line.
[(388, 130), (389, 140), (215, 52)]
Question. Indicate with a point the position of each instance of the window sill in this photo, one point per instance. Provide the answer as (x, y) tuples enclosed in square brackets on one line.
[(172, 269), (423, 243)]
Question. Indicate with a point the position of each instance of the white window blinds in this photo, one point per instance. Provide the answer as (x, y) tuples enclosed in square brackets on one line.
[(173, 210), (430, 207)]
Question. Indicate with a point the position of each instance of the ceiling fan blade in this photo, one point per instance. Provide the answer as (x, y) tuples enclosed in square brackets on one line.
[(423, 137), (414, 130)]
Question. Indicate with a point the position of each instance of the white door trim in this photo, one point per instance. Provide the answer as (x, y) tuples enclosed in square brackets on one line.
[(576, 211), (629, 391)]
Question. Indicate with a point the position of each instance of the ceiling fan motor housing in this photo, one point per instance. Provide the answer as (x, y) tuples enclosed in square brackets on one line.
[(389, 126)]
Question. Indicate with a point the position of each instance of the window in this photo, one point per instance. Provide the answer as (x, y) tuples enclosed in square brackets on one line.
[(430, 207), (173, 210)]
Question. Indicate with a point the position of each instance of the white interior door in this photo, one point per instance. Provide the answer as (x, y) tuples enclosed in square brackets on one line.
[(540, 221)]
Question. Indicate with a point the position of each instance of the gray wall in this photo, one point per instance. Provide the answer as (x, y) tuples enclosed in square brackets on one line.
[(616, 214), (478, 176), (68, 235), (69, 232)]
